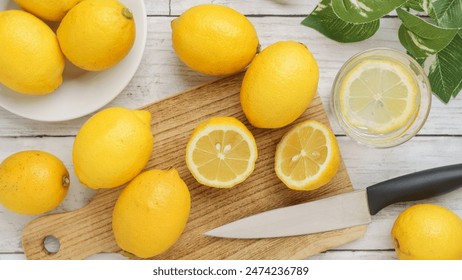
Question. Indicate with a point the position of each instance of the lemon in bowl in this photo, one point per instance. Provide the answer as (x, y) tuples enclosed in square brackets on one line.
[(381, 97), (31, 61), (97, 34), (51, 10), (81, 92)]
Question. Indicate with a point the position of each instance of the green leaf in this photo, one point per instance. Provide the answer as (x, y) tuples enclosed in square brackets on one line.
[(362, 11), (324, 20), (447, 13), (446, 72), (416, 5), (421, 38)]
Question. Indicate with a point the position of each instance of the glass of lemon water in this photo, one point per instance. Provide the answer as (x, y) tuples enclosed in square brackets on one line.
[(381, 97)]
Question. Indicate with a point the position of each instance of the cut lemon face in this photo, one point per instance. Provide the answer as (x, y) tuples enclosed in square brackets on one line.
[(379, 96), (307, 157), (221, 152)]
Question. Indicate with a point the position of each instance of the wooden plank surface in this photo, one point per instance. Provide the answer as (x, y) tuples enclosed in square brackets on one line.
[(88, 231), (161, 75)]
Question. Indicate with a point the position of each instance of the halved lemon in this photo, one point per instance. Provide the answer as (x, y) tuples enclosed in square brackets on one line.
[(379, 96), (308, 156), (221, 152)]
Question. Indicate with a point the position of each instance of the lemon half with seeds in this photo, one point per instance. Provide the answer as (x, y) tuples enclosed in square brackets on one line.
[(221, 152), (379, 96), (308, 156)]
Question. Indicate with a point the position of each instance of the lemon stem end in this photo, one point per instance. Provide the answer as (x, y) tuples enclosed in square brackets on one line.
[(127, 13), (66, 181)]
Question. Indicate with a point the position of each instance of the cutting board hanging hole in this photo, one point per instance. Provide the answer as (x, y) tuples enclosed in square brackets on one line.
[(51, 244)]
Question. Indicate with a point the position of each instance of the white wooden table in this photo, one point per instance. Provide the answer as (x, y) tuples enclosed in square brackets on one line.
[(161, 75)]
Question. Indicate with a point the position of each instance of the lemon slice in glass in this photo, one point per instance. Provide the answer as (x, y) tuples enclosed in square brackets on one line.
[(379, 96), (308, 156), (221, 152)]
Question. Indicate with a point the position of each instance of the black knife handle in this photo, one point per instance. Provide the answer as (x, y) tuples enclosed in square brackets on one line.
[(414, 186)]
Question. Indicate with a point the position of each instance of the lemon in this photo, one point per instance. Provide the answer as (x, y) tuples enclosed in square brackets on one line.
[(428, 232), (214, 39), (32, 182), (221, 152), (151, 213), (308, 156), (112, 147), (31, 61), (279, 85), (379, 96), (97, 34), (52, 10)]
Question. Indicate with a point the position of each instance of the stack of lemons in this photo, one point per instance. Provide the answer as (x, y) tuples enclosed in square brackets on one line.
[(111, 149), (92, 34), (278, 87)]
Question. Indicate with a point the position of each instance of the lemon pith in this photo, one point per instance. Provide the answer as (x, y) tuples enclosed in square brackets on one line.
[(307, 157), (221, 152), (379, 96)]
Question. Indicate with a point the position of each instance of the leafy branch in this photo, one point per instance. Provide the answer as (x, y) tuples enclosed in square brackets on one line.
[(439, 37)]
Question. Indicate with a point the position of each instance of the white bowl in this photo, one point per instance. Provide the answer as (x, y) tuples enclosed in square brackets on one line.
[(81, 92)]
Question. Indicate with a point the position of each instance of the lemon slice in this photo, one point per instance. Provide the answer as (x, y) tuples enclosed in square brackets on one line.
[(221, 152), (307, 157), (378, 96)]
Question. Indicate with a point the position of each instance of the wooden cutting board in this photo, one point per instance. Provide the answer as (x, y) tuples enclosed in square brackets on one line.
[(87, 231)]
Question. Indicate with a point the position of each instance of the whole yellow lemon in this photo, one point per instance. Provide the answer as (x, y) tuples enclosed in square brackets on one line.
[(214, 39), (112, 147), (31, 61), (151, 213), (279, 85), (97, 34), (32, 182), (52, 10), (428, 232)]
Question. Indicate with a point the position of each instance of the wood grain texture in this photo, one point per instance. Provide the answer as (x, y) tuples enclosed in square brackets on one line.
[(87, 231)]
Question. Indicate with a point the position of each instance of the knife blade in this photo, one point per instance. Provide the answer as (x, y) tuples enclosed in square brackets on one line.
[(343, 210)]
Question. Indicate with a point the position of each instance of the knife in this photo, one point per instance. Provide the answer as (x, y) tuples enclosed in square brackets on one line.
[(344, 210)]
